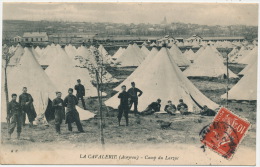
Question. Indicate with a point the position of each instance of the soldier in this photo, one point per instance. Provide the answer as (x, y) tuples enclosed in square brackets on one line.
[(59, 113), (26, 102), (72, 114), (124, 106), (80, 92), (134, 97), (14, 116), (182, 107)]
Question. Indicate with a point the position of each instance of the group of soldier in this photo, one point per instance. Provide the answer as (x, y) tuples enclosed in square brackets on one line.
[(17, 111), (130, 97)]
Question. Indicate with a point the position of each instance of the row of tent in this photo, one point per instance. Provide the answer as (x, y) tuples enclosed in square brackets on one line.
[(153, 70), (196, 44), (25, 70), (160, 66)]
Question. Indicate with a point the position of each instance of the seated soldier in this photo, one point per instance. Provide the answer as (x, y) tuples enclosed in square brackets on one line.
[(152, 108), (207, 112), (170, 108), (182, 107)]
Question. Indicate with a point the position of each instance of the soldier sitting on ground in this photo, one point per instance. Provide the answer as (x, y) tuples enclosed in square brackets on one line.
[(170, 108), (207, 112), (152, 108), (182, 107)]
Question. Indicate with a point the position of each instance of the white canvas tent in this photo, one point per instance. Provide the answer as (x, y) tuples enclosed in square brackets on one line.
[(118, 53), (178, 57), (250, 58), (246, 88), (145, 50), (130, 57), (243, 52), (104, 54), (190, 55), (72, 53), (208, 64), (64, 75), (15, 59), (138, 71), (166, 81), (48, 55), (30, 74)]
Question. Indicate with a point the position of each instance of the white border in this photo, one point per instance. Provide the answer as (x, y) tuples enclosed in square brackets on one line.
[(183, 1)]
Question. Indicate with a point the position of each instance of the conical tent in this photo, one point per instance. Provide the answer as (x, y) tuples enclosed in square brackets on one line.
[(104, 54), (232, 54), (246, 88), (208, 64), (130, 57), (247, 68), (166, 81), (178, 57), (38, 50), (30, 74), (118, 53), (190, 55), (36, 55), (64, 75), (48, 55), (139, 52), (250, 58), (15, 59), (243, 52), (153, 44), (87, 55), (145, 50), (138, 70), (72, 53)]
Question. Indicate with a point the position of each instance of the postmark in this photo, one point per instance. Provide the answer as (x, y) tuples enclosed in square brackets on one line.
[(225, 133)]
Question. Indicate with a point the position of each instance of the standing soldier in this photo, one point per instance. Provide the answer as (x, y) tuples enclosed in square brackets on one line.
[(26, 102), (59, 113), (124, 106), (134, 97), (72, 114), (80, 92), (14, 116)]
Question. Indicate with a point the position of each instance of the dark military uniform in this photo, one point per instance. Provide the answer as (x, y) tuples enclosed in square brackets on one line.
[(80, 93), (183, 108), (152, 108), (134, 98), (59, 112), (27, 108), (124, 106), (14, 114), (72, 114)]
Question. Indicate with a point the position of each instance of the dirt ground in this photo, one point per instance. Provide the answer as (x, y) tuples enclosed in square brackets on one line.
[(142, 129)]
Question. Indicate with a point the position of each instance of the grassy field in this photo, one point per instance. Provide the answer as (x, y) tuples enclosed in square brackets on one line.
[(142, 129)]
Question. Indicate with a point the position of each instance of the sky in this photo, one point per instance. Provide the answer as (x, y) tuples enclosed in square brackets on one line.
[(195, 13)]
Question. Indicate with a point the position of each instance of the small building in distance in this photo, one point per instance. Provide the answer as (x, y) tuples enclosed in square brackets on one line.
[(165, 40), (18, 38), (194, 38), (35, 37)]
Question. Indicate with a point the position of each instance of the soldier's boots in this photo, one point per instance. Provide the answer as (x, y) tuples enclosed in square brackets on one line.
[(9, 136), (119, 120), (69, 127), (31, 124), (57, 127), (18, 136), (126, 121)]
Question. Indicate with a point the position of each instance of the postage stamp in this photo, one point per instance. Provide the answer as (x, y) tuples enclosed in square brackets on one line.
[(225, 133)]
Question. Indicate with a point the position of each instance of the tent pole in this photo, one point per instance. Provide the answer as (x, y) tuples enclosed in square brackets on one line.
[(227, 84)]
